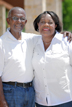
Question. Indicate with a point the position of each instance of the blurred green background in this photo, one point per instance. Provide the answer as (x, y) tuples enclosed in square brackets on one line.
[(67, 15)]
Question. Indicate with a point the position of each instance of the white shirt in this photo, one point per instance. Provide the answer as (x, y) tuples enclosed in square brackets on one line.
[(53, 71), (16, 57)]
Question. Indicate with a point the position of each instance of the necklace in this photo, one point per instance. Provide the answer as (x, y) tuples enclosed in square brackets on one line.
[(47, 43)]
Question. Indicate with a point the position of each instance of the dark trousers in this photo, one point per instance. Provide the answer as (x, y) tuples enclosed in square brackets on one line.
[(69, 104), (19, 96)]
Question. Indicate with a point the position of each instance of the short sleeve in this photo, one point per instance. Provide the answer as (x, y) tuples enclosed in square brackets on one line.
[(70, 53), (1, 58)]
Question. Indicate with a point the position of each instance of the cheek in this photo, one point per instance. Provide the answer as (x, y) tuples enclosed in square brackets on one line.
[(40, 27), (23, 24), (53, 27)]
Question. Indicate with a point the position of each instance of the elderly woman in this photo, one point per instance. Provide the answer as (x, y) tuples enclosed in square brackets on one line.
[(52, 60)]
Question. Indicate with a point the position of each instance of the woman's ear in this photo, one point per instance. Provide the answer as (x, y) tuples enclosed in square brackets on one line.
[(55, 26)]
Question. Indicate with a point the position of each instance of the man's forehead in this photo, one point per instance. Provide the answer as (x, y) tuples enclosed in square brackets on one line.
[(18, 12), (15, 11)]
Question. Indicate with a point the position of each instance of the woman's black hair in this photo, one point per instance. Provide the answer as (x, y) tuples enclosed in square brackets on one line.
[(54, 17)]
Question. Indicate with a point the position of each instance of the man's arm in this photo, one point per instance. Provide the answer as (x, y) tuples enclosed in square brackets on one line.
[(3, 102), (68, 34)]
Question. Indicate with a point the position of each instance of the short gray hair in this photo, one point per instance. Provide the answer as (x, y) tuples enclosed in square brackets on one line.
[(15, 8)]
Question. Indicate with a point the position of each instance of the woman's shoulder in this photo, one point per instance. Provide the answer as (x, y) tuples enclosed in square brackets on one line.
[(59, 36)]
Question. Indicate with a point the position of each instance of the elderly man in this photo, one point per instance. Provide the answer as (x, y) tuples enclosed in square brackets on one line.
[(16, 73)]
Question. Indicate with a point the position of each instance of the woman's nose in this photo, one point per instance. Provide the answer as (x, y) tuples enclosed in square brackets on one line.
[(46, 23)]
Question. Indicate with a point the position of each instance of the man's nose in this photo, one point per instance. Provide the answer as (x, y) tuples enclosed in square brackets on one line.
[(19, 20)]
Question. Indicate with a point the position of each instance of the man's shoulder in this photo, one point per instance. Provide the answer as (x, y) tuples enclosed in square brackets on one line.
[(2, 37)]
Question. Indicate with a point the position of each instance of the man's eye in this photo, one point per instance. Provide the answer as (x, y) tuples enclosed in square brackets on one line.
[(22, 19), (15, 18)]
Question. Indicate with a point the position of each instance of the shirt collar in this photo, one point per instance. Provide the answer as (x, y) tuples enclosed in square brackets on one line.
[(11, 36), (57, 35)]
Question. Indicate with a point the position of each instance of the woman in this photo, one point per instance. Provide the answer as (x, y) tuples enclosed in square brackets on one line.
[(52, 62)]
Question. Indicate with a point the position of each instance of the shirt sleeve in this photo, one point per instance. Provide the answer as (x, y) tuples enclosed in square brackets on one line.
[(70, 53), (68, 48), (35, 39), (1, 58)]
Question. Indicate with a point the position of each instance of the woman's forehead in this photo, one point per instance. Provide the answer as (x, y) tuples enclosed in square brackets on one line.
[(46, 16)]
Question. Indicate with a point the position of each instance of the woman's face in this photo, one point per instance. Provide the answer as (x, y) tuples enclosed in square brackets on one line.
[(46, 25)]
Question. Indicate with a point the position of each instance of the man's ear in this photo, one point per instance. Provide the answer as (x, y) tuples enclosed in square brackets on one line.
[(25, 21), (8, 20)]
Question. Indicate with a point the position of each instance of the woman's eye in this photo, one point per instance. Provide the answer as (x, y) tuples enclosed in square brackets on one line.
[(49, 22), (43, 22)]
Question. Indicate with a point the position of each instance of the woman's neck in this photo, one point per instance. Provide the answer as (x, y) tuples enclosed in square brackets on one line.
[(47, 41)]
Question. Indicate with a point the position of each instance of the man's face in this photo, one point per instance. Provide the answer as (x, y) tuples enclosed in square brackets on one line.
[(17, 20)]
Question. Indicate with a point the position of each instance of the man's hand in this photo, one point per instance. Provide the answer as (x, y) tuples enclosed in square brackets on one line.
[(68, 34), (3, 102)]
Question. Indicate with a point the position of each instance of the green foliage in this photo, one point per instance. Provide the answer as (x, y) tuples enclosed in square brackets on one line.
[(23, 30), (6, 17), (67, 15)]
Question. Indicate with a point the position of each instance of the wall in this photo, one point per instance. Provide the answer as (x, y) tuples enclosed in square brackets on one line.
[(34, 7)]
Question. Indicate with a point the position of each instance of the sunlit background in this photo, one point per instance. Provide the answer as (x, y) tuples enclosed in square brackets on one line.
[(33, 8)]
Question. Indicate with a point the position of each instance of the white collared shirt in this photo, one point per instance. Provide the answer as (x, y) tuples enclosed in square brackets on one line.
[(16, 57), (53, 71)]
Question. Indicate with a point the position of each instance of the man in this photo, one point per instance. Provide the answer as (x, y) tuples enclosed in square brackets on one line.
[(16, 72)]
